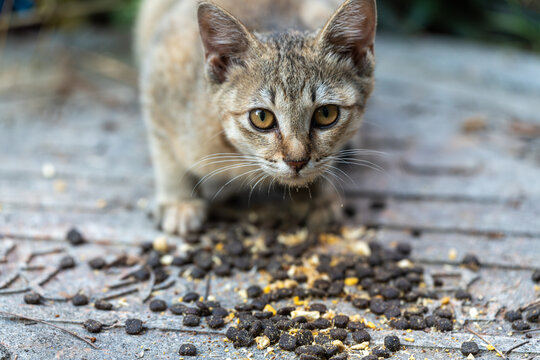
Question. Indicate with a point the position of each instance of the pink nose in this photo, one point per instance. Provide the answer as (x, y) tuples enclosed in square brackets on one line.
[(296, 165)]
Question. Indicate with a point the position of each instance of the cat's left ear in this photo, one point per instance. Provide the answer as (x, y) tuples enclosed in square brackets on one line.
[(351, 30), (225, 39)]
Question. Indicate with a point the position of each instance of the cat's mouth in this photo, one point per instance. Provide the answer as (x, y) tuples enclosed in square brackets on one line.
[(296, 178)]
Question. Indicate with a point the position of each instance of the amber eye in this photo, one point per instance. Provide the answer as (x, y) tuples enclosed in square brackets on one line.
[(262, 119), (325, 116)]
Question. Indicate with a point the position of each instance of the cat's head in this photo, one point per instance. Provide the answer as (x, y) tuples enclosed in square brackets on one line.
[(291, 100)]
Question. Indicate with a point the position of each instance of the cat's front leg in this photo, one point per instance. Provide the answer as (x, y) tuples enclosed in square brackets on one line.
[(178, 209)]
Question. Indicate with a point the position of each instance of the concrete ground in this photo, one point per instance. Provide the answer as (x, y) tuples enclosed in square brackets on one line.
[(460, 126)]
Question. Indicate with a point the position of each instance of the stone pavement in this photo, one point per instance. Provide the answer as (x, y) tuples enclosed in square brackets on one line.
[(459, 125)]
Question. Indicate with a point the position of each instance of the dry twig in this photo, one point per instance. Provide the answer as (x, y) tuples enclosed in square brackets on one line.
[(487, 342), (145, 295), (516, 347), (22, 317)]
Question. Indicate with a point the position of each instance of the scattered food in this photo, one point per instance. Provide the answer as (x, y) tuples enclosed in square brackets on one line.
[(187, 350), (157, 305), (469, 347), (93, 326), (74, 237), (134, 326), (32, 298), (471, 261), (392, 343), (79, 300)]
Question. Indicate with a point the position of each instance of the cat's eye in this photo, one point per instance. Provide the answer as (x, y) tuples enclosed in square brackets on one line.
[(262, 119), (325, 116)]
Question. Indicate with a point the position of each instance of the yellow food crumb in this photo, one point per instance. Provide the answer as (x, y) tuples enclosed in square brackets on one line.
[(445, 300), (219, 246), (297, 301), (409, 339), (329, 239), (351, 281), (452, 254), (491, 347), (270, 308), (370, 325)]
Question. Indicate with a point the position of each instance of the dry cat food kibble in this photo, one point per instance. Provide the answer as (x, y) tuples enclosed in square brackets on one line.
[(520, 325), (536, 276), (513, 315), (103, 305), (79, 300), (469, 347), (93, 326), (392, 343), (191, 320), (134, 326), (187, 350), (297, 309), (97, 263), (67, 262), (157, 305), (74, 237), (32, 298)]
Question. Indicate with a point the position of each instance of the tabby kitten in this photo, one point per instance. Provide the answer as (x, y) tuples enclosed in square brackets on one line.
[(229, 99)]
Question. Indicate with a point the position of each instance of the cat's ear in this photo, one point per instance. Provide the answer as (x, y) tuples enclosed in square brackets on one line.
[(225, 39), (351, 30)]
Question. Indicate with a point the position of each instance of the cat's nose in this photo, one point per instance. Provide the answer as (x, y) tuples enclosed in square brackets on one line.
[(296, 165)]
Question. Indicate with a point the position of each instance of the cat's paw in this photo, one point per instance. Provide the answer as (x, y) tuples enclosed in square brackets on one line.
[(181, 217)]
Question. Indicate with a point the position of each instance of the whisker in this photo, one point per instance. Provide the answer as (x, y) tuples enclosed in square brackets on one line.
[(260, 178), (339, 179), (343, 172), (216, 172), (331, 183), (362, 152), (230, 181)]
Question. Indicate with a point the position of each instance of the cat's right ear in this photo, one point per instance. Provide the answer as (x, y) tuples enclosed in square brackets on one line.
[(351, 30), (225, 39)]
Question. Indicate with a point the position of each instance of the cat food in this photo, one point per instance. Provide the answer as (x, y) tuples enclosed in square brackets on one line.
[(469, 348), (533, 315), (536, 276), (93, 326), (381, 352), (97, 263), (392, 343), (287, 342), (191, 320), (79, 300), (215, 322), (32, 298), (520, 325), (134, 326), (67, 262), (157, 305), (190, 297), (187, 350), (103, 305), (471, 262), (74, 237), (361, 336)]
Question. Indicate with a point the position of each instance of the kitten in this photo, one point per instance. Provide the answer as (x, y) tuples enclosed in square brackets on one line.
[(225, 99)]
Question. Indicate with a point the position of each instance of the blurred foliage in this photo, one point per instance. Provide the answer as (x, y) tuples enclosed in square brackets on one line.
[(513, 22)]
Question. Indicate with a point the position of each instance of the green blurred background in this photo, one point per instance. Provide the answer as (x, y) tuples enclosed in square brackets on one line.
[(511, 22)]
